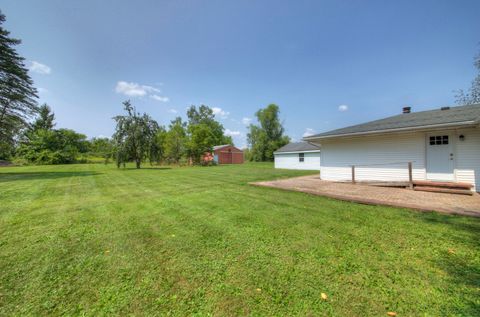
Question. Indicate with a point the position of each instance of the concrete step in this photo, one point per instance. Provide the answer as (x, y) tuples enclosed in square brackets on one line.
[(443, 190), (454, 185)]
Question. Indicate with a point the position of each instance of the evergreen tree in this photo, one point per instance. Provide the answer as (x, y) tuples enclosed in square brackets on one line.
[(45, 119), (17, 94)]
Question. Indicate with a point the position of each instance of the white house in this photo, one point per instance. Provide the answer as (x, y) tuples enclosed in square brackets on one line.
[(298, 156), (443, 145)]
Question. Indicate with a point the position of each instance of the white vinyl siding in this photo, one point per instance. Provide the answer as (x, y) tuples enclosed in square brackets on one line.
[(382, 158), (385, 157), (291, 161), (467, 167)]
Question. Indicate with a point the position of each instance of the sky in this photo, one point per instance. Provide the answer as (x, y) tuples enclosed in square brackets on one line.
[(327, 64)]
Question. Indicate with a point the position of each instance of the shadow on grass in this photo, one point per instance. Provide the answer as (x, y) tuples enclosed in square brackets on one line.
[(462, 269), (144, 168), (26, 176)]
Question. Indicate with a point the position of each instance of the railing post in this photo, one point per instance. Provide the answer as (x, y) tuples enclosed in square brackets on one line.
[(353, 174), (410, 175)]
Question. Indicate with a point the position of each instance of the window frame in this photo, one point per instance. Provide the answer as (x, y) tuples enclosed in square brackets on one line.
[(301, 157), (439, 140)]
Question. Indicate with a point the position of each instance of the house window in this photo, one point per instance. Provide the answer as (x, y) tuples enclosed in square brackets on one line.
[(438, 140), (301, 157)]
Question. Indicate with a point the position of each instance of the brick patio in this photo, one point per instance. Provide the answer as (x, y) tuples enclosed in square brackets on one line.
[(372, 195)]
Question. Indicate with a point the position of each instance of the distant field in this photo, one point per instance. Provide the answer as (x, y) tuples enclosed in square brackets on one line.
[(94, 240)]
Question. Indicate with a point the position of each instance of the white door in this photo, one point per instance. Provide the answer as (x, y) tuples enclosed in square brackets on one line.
[(440, 158)]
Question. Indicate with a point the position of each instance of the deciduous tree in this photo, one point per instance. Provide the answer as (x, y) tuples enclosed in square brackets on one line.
[(473, 94), (60, 146), (175, 140), (134, 136), (268, 136), (204, 132)]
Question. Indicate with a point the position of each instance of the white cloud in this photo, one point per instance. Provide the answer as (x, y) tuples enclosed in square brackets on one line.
[(246, 121), (342, 108), (172, 110), (160, 98), (232, 133), (39, 68), (308, 132), (42, 90), (134, 89), (220, 112)]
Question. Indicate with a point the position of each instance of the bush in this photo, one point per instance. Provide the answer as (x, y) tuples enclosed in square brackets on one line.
[(52, 147)]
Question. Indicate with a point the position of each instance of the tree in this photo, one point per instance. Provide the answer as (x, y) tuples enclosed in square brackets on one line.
[(201, 140), (17, 94), (134, 136), (175, 140), (473, 94), (45, 119), (158, 146), (53, 146), (101, 147), (268, 137), (9, 140), (204, 132), (41, 144)]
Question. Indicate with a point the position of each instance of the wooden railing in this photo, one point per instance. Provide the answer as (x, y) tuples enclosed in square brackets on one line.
[(409, 167)]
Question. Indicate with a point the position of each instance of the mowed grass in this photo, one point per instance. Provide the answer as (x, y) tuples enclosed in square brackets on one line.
[(96, 240)]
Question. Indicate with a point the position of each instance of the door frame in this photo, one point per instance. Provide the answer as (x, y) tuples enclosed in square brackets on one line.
[(452, 137)]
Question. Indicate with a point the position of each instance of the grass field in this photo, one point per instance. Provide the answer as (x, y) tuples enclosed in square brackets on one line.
[(94, 240)]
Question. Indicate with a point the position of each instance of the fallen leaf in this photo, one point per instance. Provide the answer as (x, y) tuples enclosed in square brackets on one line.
[(451, 251), (324, 296), (392, 314), (258, 290), (107, 251)]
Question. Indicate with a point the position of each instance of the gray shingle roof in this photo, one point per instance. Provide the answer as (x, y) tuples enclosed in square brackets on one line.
[(414, 120), (298, 147)]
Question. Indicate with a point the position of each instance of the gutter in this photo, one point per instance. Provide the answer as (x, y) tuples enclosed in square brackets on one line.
[(293, 152), (443, 125)]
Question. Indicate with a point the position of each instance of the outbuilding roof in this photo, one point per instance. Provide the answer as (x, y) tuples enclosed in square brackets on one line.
[(216, 147), (446, 116), (298, 147)]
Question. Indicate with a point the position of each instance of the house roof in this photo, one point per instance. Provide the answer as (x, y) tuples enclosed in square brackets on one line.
[(216, 147), (298, 147), (453, 116)]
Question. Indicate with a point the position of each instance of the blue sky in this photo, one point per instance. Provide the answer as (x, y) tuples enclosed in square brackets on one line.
[(327, 64)]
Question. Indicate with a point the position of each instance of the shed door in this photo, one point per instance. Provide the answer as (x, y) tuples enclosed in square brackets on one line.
[(440, 158)]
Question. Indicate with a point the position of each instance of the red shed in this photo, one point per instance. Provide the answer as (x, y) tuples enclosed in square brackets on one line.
[(227, 154)]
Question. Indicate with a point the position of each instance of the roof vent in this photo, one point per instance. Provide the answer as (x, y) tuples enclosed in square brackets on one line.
[(407, 109), (445, 108)]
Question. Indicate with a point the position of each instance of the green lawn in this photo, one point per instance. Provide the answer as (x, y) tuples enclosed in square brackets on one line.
[(94, 240)]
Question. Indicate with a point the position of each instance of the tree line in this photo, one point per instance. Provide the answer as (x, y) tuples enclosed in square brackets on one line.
[(139, 138)]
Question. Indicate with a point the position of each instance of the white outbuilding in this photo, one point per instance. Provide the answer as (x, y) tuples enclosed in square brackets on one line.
[(298, 156)]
